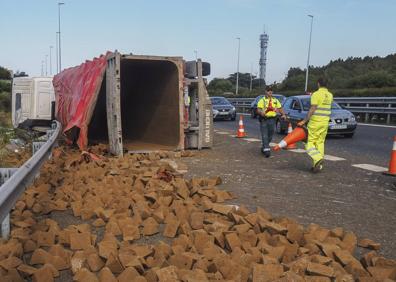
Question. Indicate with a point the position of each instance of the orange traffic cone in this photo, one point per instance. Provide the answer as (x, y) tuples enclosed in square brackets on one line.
[(298, 134), (241, 129), (293, 145), (392, 163)]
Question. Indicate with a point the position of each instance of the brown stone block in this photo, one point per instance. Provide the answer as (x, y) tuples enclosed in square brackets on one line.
[(26, 270), (337, 232), (268, 272), (80, 241), (242, 228), (196, 220), (171, 228), (321, 259), (142, 250), (181, 261), (46, 239), (317, 279), (295, 233), (128, 275), (130, 232), (222, 209), (29, 246), (112, 227), (370, 244), (349, 242), (196, 275), (44, 274), (84, 275), (39, 256), (167, 274), (105, 275), (355, 268), (114, 264), (150, 227), (77, 261), (382, 273), (320, 270), (233, 241), (11, 262), (94, 262)]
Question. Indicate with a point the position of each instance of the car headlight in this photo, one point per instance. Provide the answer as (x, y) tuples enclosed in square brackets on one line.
[(232, 109), (352, 118), (215, 112)]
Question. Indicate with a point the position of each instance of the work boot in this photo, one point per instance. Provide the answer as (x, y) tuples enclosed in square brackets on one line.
[(266, 154), (318, 166)]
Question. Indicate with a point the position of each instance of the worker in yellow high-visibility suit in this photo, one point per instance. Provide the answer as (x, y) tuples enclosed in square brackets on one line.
[(318, 123), (267, 108)]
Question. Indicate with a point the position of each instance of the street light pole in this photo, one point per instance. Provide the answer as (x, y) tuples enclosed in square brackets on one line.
[(57, 53), (237, 75), (196, 54), (251, 78), (42, 68), (309, 54), (46, 65), (59, 34), (51, 59)]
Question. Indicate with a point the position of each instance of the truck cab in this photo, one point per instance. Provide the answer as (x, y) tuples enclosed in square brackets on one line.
[(32, 100)]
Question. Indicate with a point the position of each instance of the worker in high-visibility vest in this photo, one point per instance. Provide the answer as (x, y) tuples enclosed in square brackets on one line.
[(267, 108), (318, 123)]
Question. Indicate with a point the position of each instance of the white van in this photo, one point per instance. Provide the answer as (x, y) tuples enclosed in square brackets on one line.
[(32, 99)]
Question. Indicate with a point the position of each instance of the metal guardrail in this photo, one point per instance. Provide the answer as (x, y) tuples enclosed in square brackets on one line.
[(358, 105), (16, 180)]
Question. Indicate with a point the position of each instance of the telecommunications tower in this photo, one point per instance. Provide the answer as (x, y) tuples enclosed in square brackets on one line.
[(263, 54)]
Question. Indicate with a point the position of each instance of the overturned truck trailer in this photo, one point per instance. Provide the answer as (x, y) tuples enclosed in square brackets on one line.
[(136, 103)]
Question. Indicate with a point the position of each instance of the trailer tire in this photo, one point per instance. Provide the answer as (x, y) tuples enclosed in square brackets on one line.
[(192, 70)]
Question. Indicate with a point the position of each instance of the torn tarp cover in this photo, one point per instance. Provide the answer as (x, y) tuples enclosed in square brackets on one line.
[(76, 93)]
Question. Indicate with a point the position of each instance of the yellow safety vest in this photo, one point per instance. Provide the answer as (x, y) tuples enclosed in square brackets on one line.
[(323, 100), (263, 104)]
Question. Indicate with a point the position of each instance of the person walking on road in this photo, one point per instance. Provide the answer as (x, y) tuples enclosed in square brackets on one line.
[(318, 123), (267, 108)]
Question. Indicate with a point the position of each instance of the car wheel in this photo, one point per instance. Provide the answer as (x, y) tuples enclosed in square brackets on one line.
[(349, 135), (278, 127), (233, 117)]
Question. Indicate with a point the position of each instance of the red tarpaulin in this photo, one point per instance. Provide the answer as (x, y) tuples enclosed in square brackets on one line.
[(76, 93)]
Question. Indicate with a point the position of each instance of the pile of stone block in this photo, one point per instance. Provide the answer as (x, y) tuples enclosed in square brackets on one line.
[(137, 218)]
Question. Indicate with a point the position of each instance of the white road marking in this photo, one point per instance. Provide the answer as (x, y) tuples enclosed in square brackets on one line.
[(371, 167), (297, 150), (333, 158), (377, 125), (222, 132), (272, 144), (252, 139)]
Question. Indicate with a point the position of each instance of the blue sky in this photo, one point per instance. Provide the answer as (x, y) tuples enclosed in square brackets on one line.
[(342, 28)]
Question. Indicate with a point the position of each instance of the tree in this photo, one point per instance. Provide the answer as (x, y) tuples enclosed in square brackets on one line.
[(4, 73)]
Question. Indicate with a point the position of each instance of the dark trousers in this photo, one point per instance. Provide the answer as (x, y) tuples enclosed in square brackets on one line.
[(267, 128)]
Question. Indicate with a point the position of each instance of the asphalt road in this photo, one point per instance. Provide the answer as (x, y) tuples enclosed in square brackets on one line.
[(356, 199), (369, 145)]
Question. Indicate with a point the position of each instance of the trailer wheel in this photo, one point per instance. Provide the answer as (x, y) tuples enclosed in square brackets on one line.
[(192, 71)]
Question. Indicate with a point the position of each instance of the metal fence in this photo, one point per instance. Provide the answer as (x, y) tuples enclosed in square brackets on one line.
[(14, 181), (367, 109)]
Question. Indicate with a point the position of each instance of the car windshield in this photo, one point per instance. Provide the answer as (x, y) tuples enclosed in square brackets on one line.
[(306, 103), (219, 101)]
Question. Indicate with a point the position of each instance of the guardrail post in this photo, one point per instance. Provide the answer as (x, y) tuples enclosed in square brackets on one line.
[(388, 116), (5, 174), (367, 115)]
